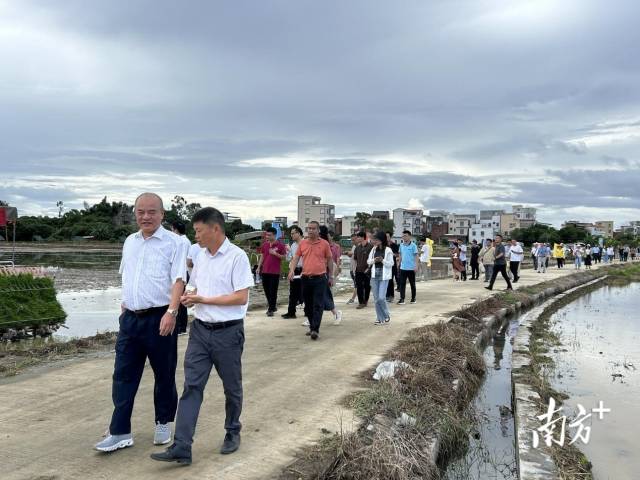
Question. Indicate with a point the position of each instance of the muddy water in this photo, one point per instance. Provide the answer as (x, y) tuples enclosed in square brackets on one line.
[(601, 335), (90, 312), (491, 450)]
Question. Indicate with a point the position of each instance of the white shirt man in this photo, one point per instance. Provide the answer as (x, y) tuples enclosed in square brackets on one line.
[(150, 267)]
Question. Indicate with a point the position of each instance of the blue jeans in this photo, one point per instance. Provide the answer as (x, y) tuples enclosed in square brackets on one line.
[(379, 290)]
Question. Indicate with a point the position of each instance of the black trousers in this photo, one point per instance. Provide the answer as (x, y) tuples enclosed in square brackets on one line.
[(314, 290), (513, 266), (391, 289), (475, 270), (270, 282), (139, 339), (402, 283), (221, 348), (500, 269), (535, 262), (463, 273), (363, 287), (295, 292), (182, 319)]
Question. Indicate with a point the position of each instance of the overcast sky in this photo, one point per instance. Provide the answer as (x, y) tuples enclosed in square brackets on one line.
[(244, 105)]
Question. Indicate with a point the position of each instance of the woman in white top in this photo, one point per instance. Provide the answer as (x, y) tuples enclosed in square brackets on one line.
[(381, 263), (578, 252)]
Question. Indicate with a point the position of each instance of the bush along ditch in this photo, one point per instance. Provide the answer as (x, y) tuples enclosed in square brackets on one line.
[(413, 422), (28, 307), (531, 379)]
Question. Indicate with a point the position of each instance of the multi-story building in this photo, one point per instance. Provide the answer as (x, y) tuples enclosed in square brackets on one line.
[(508, 223), (347, 225), (486, 228), (380, 214), (460, 224), (526, 216), (578, 224), (435, 224), (605, 226), (310, 209), (404, 219), (487, 214)]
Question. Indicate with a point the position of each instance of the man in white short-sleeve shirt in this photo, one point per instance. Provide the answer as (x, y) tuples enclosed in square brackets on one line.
[(153, 268), (221, 277)]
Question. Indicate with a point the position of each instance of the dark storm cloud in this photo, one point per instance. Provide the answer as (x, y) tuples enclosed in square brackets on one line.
[(335, 97)]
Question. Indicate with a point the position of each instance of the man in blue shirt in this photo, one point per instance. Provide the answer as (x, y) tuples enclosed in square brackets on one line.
[(408, 266)]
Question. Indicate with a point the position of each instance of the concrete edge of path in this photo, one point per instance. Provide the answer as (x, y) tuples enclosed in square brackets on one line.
[(531, 463)]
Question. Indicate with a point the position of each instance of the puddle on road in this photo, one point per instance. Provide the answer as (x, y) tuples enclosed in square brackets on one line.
[(601, 335)]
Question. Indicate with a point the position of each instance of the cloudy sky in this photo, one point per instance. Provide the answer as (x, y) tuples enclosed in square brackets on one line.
[(244, 105)]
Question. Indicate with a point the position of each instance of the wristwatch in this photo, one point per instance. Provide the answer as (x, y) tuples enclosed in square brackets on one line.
[(173, 312)]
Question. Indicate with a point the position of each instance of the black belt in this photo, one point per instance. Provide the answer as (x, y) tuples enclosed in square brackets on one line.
[(315, 276), (219, 325), (147, 311)]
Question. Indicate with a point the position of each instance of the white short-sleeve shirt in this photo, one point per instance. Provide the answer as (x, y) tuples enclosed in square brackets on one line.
[(150, 267), (224, 273)]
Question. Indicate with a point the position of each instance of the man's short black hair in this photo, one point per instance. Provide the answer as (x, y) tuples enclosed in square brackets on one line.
[(498, 235), (210, 216), (296, 228), (179, 227), (407, 232), (389, 232), (362, 234), (314, 221), (272, 230)]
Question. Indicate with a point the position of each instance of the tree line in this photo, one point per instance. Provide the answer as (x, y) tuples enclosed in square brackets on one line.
[(106, 221)]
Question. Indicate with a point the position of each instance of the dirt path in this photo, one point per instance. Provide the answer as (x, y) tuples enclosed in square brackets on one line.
[(50, 420)]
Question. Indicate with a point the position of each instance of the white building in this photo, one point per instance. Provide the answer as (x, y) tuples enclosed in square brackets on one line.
[(349, 225), (460, 224), (310, 209), (525, 216), (404, 219)]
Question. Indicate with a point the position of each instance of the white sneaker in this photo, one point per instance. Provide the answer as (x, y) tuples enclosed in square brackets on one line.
[(162, 434), (114, 442), (337, 319), (306, 323)]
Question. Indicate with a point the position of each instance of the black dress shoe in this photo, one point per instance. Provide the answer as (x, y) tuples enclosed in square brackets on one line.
[(314, 335), (269, 313), (288, 315), (174, 454), (488, 288), (231, 443)]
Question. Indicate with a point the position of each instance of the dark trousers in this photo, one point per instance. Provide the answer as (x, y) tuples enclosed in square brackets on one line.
[(402, 283), (513, 266), (535, 262), (270, 282), (463, 273), (363, 287), (182, 319), (391, 287), (139, 339), (475, 270), (314, 292), (500, 269), (222, 349), (295, 293)]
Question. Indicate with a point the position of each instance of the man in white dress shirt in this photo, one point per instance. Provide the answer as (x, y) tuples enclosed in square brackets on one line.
[(153, 267), (222, 278)]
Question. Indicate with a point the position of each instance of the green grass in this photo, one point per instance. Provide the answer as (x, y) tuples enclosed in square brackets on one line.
[(26, 301)]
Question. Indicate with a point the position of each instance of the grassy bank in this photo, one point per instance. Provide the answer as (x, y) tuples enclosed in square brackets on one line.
[(16, 357)]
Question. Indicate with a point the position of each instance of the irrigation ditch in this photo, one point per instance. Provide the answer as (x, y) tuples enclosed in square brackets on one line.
[(414, 424)]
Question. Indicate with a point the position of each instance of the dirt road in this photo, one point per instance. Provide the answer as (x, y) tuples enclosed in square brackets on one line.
[(49, 420)]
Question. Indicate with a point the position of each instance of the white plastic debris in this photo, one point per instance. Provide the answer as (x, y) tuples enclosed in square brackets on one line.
[(388, 369), (405, 420)]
